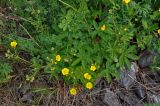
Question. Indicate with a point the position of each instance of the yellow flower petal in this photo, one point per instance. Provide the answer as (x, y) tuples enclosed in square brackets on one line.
[(103, 27), (93, 67), (126, 1), (73, 91), (158, 31), (87, 76), (58, 58), (65, 71), (13, 44), (89, 85)]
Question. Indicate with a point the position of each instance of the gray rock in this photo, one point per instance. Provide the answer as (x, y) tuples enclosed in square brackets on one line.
[(140, 91), (128, 76), (111, 99), (28, 97), (155, 98), (129, 98), (145, 60)]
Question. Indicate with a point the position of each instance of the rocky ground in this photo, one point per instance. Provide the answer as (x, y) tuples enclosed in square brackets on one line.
[(138, 86)]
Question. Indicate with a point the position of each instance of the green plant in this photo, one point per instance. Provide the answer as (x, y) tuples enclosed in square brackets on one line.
[(106, 34), (5, 70)]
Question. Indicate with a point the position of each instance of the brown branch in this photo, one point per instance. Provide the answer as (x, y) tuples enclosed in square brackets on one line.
[(14, 18)]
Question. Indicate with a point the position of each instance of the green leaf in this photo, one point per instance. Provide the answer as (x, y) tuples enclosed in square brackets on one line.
[(132, 56), (145, 23)]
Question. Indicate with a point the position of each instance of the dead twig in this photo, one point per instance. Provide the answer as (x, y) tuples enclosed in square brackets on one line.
[(14, 18), (141, 84)]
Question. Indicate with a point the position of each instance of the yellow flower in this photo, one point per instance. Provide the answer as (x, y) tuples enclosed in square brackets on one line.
[(65, 71), (13, 44), (73, 91), (103, 27), (93, 67), (89, 85), (126, 1), (158, 31), (58, 58), (87, 76)]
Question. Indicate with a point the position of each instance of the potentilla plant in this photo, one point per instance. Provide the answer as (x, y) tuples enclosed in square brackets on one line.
[(83, 40)]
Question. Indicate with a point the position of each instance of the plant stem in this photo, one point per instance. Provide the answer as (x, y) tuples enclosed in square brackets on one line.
[(67, 5), (23, 60), (29, 35)]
